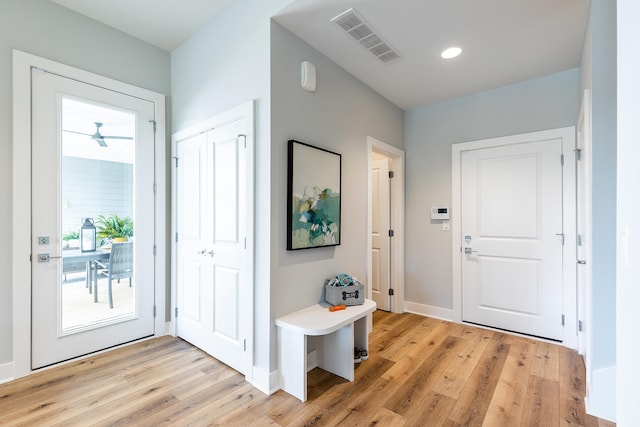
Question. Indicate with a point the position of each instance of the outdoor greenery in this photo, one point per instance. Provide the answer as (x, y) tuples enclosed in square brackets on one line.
[(111, 227), (72, 235)]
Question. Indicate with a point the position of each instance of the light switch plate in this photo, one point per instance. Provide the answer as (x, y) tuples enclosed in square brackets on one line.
[(446, 226)]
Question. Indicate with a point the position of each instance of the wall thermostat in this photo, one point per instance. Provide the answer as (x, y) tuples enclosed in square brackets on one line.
[(440, 212)]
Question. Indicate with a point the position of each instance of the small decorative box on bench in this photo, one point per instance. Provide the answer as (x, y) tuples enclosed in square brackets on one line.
[(343, 289)]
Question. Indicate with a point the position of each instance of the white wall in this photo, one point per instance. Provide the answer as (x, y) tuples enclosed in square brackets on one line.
[(539, 104), (628, 291), (45, 29), (338, 116)]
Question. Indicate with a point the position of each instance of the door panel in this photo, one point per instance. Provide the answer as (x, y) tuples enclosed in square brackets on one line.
[(78, 175), (512, 229), (213, 272), (380, 226)]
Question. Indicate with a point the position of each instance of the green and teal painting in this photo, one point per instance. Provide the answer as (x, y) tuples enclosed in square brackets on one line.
[(316, 218), (314, 184)]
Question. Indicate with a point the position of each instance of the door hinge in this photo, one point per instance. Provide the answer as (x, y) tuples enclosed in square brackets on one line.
[(245, 344), (244, 137), (154, 125), (176, 237), (391, 233), (563, 320), (176, 159), (155, 249), (391, 292), (155, 188), (175, 312), (154, 311), (578, 152), (562, 159), (579, 325), (245, 243), (391, 174)]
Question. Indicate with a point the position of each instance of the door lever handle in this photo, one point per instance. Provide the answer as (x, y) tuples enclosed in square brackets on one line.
[(46, 257), (211, 253), (469, 251), (202, 252)]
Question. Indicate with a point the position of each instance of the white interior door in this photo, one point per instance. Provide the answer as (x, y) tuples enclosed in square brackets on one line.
[(74, 176), (214, 298), (380, 226), (511, 237)]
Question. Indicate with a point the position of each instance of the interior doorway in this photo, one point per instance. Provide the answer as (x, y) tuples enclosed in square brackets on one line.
[(385, 255)]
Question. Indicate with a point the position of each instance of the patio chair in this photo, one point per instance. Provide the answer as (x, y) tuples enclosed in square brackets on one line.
[(120, 266)]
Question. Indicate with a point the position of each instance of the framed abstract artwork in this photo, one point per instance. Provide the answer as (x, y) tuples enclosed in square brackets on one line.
[(313, 196)]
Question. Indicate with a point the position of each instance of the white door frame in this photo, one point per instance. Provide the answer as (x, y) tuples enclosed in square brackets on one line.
[(21, 203), (246, 110), (397, 219), (568, 220), (584, 294)]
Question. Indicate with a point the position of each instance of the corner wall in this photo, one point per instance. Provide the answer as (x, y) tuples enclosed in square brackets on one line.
[(338, 116), (598, 73), (43, 28), (221, 66), (539, 104)]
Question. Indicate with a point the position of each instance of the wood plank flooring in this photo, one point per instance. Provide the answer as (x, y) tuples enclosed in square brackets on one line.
[(420, 372)]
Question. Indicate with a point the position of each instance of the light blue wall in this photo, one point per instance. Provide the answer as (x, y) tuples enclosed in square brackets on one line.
[(539, 104), (599, 74), (43, 28), (338, 116)]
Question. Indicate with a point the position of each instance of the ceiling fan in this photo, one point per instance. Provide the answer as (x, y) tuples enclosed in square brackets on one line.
[(98, 137)]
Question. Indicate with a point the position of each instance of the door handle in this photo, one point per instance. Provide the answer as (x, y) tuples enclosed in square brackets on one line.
[(46, 257), (211, 253), (469, 251), (581, 261), (202, 252)]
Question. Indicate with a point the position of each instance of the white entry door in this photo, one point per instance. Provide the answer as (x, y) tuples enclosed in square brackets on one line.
[(380, 226), (214, 280), (92, 156), (512, 237)]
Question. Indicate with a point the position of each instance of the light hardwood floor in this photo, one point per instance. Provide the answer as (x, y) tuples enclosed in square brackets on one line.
[(420, 372)]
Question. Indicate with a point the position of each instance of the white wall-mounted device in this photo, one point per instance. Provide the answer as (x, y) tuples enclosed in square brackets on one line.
[(440, 212), (308, 76)]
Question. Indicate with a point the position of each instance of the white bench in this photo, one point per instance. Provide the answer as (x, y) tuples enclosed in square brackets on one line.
[(338, 333)]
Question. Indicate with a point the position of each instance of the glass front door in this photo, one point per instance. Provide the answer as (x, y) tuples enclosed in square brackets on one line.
[(92, 221)]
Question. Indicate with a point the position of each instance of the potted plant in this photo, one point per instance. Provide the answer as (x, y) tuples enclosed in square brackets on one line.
[(71, 239), (112, 228)]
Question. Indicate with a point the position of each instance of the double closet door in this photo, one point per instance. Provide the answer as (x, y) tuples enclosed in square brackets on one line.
[(214, 307)]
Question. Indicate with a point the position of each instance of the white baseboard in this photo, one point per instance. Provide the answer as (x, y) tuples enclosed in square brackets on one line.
[(428, 310), (601, 399), (266, 382), (6, 373)]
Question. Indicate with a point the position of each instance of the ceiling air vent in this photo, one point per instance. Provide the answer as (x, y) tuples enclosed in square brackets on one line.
[(351, 22)]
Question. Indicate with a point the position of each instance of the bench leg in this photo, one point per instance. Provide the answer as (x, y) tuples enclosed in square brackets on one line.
[(292, 359), (335, 352)]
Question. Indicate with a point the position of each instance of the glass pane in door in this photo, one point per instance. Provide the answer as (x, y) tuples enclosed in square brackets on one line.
[(97, 221)]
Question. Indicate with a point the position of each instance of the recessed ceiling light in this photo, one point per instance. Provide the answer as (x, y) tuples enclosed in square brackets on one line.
[(452, 52)]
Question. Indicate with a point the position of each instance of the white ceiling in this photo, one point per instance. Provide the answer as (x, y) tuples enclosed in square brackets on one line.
[(503, 41), (162, 23)]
